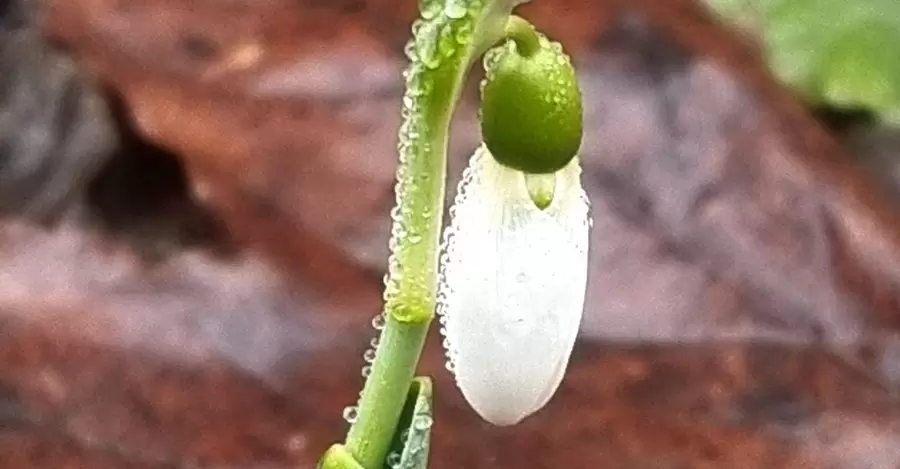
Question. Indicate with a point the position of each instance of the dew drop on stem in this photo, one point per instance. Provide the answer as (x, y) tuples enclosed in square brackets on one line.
[(429, 8), (378, 322), (455, 9), (427, 43), (350, 413), (464, 33)]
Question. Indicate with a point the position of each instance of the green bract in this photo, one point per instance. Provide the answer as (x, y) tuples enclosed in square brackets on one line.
[(531, 106)]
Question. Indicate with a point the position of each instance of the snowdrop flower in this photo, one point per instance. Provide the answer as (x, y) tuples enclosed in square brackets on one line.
[(512, 286), (513, 271), (514, 267)]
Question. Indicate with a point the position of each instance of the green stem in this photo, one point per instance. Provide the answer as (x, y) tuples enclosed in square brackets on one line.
[(385, 392), (523, 33), (411, 287)]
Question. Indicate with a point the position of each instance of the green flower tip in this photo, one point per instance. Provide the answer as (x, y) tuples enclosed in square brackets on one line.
[(531, 114)]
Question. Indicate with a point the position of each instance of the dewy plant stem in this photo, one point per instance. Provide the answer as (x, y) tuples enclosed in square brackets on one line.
[(410, 296)]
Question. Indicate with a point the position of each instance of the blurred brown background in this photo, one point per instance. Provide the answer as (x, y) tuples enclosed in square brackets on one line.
[(196, 196)]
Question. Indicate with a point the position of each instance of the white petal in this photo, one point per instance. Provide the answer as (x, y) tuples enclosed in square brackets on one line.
[(512, 287)]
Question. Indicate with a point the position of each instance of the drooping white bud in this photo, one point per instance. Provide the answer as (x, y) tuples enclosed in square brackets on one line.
[(512, 288)]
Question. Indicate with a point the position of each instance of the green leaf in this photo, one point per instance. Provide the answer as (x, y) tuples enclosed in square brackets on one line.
[(410, 447), (835, 52)]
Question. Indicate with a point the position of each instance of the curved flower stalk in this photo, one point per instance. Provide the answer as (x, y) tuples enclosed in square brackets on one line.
[(512, 286)]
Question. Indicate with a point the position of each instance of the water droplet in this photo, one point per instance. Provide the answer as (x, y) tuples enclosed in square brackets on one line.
[(455, 9), (414, 451), (404, 435), (415, 86), (369, 355), (417, 27), (393, 459), (374, 342), (424, 85), (464, 33), (414, 239), (446, 344), (422, 422), (450, 366), (429, 8), (378, 322), (410, 50), (447, 45), (351, 413), (366, 371), (490, 58), (409, 103), (427, 42)]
